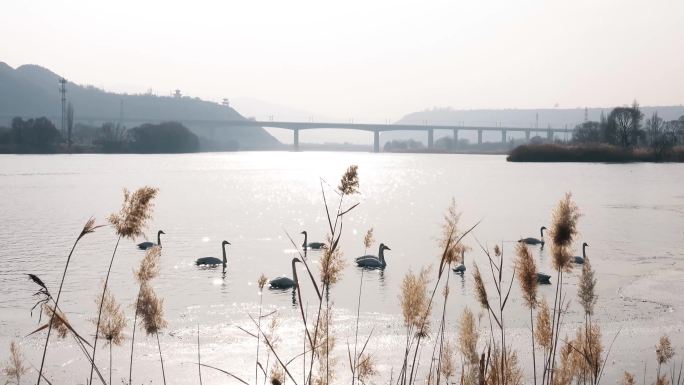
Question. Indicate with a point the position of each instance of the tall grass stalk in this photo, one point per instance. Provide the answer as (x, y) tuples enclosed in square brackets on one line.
[(99, 312), (87, 229)]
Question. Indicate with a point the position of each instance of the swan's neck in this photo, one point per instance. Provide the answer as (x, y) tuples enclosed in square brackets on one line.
[(159, 238), (584, 251), (542, 233), (294, 273), (304, 245), (381, 255), (225, 260)]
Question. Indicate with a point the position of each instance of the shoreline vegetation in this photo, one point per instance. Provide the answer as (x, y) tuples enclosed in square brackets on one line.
[(620, 137), (435, 351), (603, 153)]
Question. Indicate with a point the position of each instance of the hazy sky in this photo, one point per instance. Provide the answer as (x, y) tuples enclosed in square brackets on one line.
[(367, 60)]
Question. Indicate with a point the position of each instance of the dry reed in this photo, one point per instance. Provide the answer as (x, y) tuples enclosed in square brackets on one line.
[(587, 288), (349, 184), (113, 319), (368, 239), (149, 266), (14, 369), (628, 379), (414, 301), (527, 274), (468, 337), (136, 209), (543, 333), (331, 265), (88, 228)]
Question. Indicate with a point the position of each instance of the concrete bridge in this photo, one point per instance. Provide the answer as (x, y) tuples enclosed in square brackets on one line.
[(376, 129)]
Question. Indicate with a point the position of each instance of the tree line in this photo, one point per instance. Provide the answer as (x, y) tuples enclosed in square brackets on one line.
[(625, 127), (40, 135)]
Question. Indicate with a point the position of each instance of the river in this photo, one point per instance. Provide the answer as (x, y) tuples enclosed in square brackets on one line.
[(633, 221)]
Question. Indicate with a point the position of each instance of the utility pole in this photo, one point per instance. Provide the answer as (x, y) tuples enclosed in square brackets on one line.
[(62, 92), (121, 114)]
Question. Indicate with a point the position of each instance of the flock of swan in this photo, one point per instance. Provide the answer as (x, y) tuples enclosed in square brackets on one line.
[(545, 278), (366, 261)]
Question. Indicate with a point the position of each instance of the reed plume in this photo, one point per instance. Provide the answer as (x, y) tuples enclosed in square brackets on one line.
[(628, 379), (277, 375), (414, 301), (527, 274), (136, 209), (567, 369), (113, 320), (151, 310), (149, 266), (14, 369), (261, 282), (365, 368), (586, 290), (564, 221), (349, 184), (587, 352), (661, 380), (543, 333), (58, 320), (504, 368), (468, 337), (112, 325), (369, 239), (480, 290), (450, 225), (563, 231), (447, 367), (664, 353), (331, 265)]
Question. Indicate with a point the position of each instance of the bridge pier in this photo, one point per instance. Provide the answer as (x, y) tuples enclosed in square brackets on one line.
[(549, 135), (527, 135), (376, 141), (431, 138), (455, 138), (296, 139), (503, 136), (479, 136)]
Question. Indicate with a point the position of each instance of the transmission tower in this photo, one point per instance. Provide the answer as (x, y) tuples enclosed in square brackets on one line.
[(62, 92)]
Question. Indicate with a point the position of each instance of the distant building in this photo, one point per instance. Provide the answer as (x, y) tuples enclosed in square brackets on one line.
[(225, 102), (177, 94)]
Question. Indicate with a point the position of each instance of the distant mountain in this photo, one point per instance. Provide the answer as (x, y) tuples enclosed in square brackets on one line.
[(553, 117), (32, 91)]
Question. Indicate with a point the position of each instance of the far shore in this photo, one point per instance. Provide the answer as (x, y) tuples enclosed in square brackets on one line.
[(593, 153)]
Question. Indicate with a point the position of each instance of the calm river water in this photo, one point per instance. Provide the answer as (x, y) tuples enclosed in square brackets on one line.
[(633, 220)]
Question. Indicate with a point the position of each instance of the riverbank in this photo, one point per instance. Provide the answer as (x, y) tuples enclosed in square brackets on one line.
[(591, 153)]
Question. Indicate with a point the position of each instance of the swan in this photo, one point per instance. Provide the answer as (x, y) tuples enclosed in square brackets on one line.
[(312, 245), (534, 241), (212, 261), (371, 261), (543, 279), (580, 260), (146, 245), (285, 282), (460, 269)]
